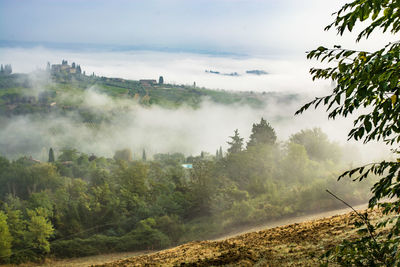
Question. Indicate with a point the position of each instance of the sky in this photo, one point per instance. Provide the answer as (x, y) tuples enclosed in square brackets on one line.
[(249, 27)]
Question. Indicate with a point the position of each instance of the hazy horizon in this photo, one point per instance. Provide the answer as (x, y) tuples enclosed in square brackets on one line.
[(284, 74), (240, 27)]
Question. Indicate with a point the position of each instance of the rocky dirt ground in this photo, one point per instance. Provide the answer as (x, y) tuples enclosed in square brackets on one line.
[(299, 244)]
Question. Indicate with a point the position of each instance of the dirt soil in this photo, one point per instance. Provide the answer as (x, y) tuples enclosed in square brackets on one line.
[(298, 244)]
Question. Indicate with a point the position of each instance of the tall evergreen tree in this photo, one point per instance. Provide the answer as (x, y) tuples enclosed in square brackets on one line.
[(262, 133), (144, 158), (221, 155), (7, 69), (51, 155), (236, 145), (161, 80)]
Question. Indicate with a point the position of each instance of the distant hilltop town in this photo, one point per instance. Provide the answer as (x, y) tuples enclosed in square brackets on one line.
[(65, 68)]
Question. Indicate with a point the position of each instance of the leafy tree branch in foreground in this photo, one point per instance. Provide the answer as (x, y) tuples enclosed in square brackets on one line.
[(369, 82)]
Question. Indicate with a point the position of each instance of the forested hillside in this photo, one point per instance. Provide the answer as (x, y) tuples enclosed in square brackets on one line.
[(135, 162), (62, 107), (73, 203), (78, 204)]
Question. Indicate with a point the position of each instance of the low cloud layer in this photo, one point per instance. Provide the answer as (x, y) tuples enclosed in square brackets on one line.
[(156, 129), (284, 74)]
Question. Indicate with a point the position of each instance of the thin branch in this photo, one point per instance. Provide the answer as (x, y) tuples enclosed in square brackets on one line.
[(358, 214)]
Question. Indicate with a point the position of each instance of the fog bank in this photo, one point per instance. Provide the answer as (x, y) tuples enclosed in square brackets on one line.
[(159, 130), (284, 74)]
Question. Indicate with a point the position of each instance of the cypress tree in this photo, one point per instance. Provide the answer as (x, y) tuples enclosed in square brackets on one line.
[(144, 155), (51, 155)]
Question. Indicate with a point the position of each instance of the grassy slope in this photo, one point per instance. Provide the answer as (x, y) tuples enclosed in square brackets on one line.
[(296, 244), (15, 88), (299, 244)]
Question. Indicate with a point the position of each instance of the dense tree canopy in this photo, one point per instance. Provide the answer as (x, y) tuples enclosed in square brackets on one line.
[(6, 238), (317, 144), (80, 205)]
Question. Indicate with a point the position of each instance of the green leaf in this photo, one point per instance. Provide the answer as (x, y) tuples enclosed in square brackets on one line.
[(368, 126), (337, 98)]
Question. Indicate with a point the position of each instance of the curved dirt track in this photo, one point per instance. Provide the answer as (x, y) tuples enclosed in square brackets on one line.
[(296, 244), (291, 220)]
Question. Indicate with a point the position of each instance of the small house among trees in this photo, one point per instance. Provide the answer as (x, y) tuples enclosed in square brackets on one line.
[(148, 82)]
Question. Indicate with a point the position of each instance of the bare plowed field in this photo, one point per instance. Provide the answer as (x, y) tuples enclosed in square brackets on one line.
[(298, 244)]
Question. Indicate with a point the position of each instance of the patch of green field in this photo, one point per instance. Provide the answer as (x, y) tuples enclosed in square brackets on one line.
[(22, 94)]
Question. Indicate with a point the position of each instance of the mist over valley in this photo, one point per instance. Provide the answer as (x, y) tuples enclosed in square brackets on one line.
[(173, 133), (186, 127)]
